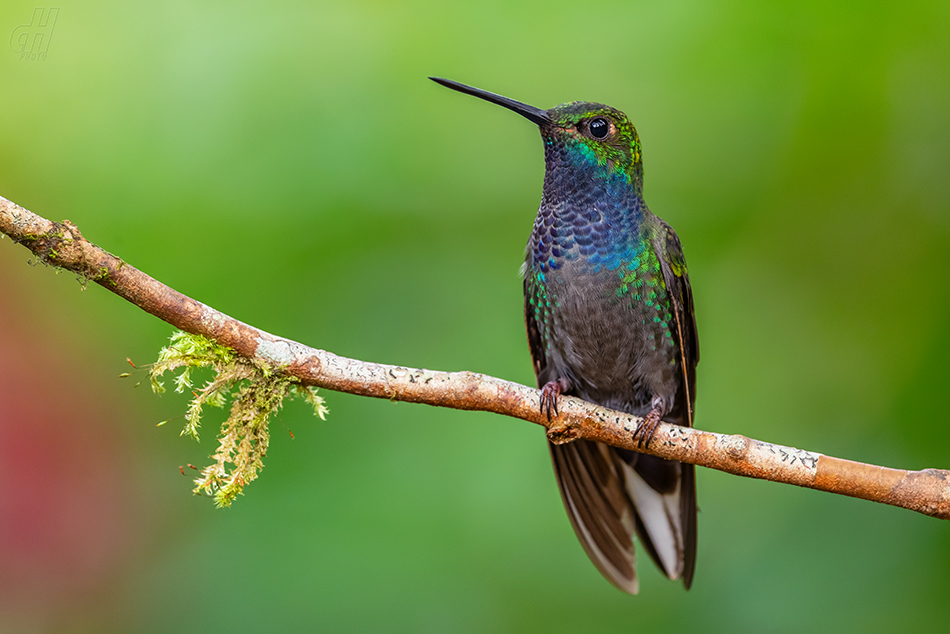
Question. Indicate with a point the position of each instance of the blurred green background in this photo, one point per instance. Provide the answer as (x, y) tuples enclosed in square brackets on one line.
[(291, 165)]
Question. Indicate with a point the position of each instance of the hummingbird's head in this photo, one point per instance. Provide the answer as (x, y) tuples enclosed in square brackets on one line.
[(596, 135), (585, 135)]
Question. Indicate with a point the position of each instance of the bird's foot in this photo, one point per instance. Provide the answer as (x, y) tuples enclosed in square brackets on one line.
[(550, 393), (646, 430)]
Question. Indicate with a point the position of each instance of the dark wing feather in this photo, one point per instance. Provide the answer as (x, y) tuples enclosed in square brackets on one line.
[(534, 335), (677, 283), (676, 277)]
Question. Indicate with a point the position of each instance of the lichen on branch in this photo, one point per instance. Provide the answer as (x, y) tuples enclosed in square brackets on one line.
[(256, 391)]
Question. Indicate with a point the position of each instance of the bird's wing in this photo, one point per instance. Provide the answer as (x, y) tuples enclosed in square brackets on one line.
[(676, 277), (538, 357)]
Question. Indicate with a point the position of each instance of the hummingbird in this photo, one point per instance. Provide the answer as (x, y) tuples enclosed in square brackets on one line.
[(609, 314)]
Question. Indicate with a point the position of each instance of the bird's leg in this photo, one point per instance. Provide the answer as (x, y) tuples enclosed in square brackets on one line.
[(550, 393), (646, 430)]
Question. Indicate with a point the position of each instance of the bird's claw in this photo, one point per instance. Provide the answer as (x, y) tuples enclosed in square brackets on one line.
[(647, 429), (549, 395)]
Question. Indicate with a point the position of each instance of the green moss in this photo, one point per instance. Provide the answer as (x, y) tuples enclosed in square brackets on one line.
[(256, 392)]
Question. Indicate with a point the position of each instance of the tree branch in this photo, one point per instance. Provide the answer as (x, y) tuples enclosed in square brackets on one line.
[(62, 245)]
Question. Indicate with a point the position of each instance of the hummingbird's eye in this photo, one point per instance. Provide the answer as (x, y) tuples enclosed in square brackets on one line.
[(598, 128)]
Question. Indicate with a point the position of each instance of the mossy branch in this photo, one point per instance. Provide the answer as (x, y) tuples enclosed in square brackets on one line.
[(62, 245), (258, 391)]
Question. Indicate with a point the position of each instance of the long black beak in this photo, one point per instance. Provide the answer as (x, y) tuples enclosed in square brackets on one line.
[(530, 113)]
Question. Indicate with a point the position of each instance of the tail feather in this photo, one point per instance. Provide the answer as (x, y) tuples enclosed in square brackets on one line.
[(611, 494), (659, 525), (598, 508)]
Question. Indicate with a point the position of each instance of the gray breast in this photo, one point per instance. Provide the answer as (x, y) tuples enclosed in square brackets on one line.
[(608, 346)]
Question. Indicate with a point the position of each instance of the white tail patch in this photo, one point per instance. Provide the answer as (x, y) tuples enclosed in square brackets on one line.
[(661, 518)]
